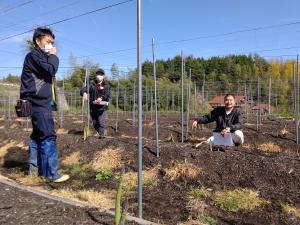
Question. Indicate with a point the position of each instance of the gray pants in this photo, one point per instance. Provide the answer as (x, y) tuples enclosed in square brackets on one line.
[(98, 118)]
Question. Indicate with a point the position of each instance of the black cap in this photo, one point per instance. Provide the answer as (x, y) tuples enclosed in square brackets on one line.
[(100, 72)]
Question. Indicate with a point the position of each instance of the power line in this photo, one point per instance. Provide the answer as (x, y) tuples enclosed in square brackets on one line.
[(42, 14), (233, 32), (15, 7), (70, 18)]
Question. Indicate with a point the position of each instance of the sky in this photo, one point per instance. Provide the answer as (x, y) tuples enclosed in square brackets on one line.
[(202, 28)]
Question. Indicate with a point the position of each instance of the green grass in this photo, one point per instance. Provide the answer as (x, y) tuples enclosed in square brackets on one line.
[(79, 183), (207, 219), (200, 193), (149, 182), (239, 199), (104, 175), (75, 168)]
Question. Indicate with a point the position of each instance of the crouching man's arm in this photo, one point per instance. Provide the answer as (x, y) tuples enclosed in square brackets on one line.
[(204, 119), (237, 124)]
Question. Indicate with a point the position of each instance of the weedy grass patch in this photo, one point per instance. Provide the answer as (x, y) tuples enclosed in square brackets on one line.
[(239, 199)]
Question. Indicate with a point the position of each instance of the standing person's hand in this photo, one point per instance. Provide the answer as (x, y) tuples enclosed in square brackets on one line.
[(195, 124), (53, 51), (224, 131), (98, 101), (85, 96)]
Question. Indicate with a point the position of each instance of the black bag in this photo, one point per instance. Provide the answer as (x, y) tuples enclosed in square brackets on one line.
[(23, 108)]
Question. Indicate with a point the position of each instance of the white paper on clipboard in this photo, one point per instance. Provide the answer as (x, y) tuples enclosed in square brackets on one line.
[(224, 141), (102, 103)]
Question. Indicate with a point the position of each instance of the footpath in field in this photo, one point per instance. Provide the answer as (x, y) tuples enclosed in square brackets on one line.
[(22, 207)]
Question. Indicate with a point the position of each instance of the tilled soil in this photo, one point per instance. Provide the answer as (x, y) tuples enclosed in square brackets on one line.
[(275, 175), (22, 207)]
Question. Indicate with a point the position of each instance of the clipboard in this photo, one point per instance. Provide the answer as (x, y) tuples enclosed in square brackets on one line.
[(223, 141)]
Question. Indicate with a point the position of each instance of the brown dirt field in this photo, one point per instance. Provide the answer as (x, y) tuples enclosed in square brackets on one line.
[(275, 175)]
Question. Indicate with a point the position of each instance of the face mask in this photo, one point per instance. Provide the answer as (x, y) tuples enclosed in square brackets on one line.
[(99, 78), (48, 48)]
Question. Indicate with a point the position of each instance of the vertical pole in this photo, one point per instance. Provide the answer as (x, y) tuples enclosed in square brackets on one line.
[(295, 98), (203, 89), (195, 100), (182, 98), (294, 91), (151, 104), (297, 102), (88, 101), (246, 105), (188, 104), (155, 96), (75, 100), (71, 102), (258, 103), (117, 103), (178, 103), (270, 93), (259, 97), (167, 100), (203, 97), (62, 101), (9, 118), (139, 61), (133, 110), (82, 107), (146, 102), (173, 101), (4, 113), (125, 103)]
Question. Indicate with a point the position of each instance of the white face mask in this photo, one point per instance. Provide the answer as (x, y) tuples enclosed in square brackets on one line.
[(48, 48)]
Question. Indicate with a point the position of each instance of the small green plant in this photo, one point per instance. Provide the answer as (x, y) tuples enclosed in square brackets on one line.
[(149, 182), (79, 183), (200, 193), (120, 214), (75, 168), (104, 175), (82, 174), (207, 219), (86, 133)]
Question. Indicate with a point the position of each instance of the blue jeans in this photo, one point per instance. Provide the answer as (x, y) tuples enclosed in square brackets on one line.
[(47, 159), (32, 160), (42, 148), (43, 159)]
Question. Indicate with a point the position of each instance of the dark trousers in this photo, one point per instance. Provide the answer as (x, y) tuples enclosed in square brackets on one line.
[(98, 118), (42, 124)]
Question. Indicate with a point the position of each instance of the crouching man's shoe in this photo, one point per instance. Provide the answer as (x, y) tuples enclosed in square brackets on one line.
[(62, 178)]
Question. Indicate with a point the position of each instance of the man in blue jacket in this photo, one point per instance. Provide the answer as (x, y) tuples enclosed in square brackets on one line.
[(99, 95), (39, 69)]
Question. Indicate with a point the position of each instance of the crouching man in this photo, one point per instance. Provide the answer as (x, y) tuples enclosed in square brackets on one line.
[(228, 120)]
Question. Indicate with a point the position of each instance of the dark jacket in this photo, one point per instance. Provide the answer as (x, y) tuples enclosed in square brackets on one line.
[(234, 120), (95, 94), (36, 80)]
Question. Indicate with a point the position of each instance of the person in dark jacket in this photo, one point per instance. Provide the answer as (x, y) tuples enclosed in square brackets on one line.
[(228, 120), (39, 69), (99, 95)]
